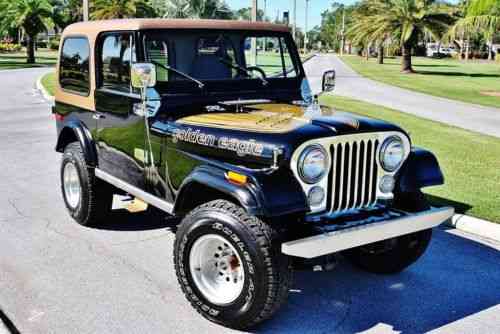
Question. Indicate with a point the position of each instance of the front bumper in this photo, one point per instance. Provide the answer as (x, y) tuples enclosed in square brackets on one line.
[(334, 238)]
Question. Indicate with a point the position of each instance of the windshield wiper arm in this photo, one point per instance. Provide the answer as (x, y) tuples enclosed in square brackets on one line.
[(200, 84), (245, 70)]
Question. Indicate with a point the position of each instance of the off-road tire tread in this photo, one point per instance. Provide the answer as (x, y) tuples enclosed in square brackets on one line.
[(279, 280), (98, 192)]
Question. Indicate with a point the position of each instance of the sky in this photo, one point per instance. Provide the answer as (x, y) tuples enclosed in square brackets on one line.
[(316, 7)]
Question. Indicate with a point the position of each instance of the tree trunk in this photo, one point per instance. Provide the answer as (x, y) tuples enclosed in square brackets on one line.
[(367, 51), (462, 42), (30, 49), (406, 59), (380, 55), (490, 49), (467, 49)]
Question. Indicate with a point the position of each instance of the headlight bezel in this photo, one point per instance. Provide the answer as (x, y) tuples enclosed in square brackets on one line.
[(300, 164), (383, 149)]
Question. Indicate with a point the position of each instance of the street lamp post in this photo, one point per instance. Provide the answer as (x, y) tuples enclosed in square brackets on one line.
[(294, 27), (306, 39)]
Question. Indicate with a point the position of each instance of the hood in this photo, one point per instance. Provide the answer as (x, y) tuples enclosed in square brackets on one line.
[(252, 133), (283, 118)]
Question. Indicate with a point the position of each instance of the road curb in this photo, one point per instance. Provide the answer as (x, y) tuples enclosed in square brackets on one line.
[(42, 89), (480, 227), (309, 58)]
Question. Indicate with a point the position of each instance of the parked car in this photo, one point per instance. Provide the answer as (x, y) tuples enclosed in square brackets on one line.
[(180, 116), (439, 51)]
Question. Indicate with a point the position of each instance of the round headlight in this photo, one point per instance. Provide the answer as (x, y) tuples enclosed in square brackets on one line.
[(313, 164), (392, 153), (316, 196)]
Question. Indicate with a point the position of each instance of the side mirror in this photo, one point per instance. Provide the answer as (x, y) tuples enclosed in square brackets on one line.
[(328, 83), (143, 75)]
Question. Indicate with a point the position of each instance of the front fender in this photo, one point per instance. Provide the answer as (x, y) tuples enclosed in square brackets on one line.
[(196, 187), (420, 170), (267, 194), (75, 130)]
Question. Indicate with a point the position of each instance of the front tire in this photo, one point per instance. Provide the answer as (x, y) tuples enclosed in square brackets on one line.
[(87, 198), (229, 265), (394, 255)]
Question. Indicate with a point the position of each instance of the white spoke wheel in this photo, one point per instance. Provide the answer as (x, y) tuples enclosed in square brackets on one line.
[(229, 265), (217, 269), (71, 185)]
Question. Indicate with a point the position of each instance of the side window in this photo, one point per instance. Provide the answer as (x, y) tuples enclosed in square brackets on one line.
[(271, 55), (74, 65), (117, 54), (157, 50)]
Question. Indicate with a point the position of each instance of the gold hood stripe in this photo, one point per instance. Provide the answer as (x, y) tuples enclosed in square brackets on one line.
[(257, 121)]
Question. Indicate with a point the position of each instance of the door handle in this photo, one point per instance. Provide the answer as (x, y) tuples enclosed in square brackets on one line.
[(98, 116)]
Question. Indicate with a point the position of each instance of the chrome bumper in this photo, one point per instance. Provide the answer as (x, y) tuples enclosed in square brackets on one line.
[(365, 233)]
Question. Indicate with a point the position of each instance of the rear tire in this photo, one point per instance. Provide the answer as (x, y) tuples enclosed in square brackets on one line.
[(87, 198), (265, 273), (394, 255)]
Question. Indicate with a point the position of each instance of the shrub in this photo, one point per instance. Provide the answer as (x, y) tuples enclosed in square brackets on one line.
[(9, 47), (54, 43)]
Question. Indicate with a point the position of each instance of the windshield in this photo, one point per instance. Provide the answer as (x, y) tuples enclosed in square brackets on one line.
[(215, 56)]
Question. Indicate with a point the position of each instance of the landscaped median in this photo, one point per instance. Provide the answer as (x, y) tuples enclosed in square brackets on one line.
[(17, 60), (475, 82), (470, 161)]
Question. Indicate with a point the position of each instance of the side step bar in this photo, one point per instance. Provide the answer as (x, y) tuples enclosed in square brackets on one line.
[(132, 190), (340, 240)]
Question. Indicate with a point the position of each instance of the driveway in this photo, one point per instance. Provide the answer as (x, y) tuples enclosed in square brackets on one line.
[(350, 84), (59, 277)]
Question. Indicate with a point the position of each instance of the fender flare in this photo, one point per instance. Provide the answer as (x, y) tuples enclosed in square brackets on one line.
[(267, 194), (214, 179), (420, 170), (76, 129)]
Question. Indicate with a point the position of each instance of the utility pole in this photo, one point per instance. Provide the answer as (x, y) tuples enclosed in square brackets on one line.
[(265, 9), (294, 27), (85, 10), (306, 39), (264, 19), (342, 33), (254, 39)]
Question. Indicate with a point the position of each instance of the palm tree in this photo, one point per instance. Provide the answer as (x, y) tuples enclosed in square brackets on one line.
[(33, 16), (403, 20), (120, 9), (197, 9), (484, 16), (177, 9)]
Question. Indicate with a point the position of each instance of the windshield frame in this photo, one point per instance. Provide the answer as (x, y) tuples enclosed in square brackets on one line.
[(249, 84)]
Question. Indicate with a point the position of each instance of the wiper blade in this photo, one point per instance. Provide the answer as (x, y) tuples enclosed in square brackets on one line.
[(245, 70), (200, 84)]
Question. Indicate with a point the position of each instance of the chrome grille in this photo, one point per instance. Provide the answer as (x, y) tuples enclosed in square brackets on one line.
[(353, 174)]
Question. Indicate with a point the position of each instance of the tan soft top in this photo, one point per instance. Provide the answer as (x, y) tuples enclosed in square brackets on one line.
[(91, 29), (139, 24)]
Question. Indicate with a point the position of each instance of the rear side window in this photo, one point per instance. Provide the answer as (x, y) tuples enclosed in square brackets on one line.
[(117, 55), (74, 66)]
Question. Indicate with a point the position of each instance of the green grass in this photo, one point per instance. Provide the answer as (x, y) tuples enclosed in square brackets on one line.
[(49, 82), (470, 161), (453, 79), (43, 57)]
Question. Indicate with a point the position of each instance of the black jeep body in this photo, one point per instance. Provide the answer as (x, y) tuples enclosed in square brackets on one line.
[(228, 120)]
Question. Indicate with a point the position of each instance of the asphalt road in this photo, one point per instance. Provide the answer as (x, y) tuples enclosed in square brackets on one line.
[(59, 277), (350, 84)]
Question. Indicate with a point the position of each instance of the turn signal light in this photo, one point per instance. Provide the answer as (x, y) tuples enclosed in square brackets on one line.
[(236, 178)]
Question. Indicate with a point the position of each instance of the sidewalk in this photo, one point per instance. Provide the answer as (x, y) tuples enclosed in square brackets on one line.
[(477, 118)]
